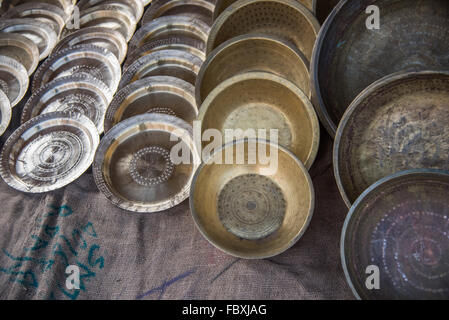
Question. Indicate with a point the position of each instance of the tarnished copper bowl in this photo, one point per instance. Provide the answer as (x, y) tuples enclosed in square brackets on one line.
[(81, 59), (99, 36), (286, 19), (413, 35), (135, 7), (76, 93), (158, 94), (252, 53), (20, 48), (199, 9), (249, 210), (175, 63), (396, 124), (260, 100), (13, 79), (48, 152), (5, 112), (134, 167), (398, 230)]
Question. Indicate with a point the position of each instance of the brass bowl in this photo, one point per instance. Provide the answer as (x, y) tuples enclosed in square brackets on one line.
[(158, 94), (260, 100), (13, 79), (163, 27), (66, 5), (396, 124), (76, 93), (199, 9), (133, 166), (48, 152), (400, 225), (252, 53), (286, 19), (20, 48), (99, 36), (348, 57), (135, 7), (175, 63), (5, 112), (245, 209), (96, 61)]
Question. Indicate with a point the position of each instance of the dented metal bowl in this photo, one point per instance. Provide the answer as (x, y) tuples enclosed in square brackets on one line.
[(396, 124), (348, 56), (249, 210), (5, 112), (397, 230), (252, 53), (96, 61), (20, 48), (135, 7), (134, 167), (48, 152), (288, 20), (264, 101), (13, 79), (158, 94)]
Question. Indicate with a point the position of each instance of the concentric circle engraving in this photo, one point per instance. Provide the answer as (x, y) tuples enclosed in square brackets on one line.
[(151, 166), (162, 110)]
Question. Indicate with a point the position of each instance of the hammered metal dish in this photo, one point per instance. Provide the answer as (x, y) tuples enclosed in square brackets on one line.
[(38, 32), (13, 79), (20, 48), (199, 9), (249, 210), (285, 19), (76, 93), (400, 225), (159, 94), (396, 124), (5, 112), (66, 5), (96, 61), (163, 27), (252, 53), (179, 64), (264, 101), (134, 168), (414, 35), (135, 7), (99, 36), (48, 152)]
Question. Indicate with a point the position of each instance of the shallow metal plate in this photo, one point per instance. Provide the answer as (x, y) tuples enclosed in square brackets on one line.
[(66, 5), (5, 112), (13, 79), (175, 63), (397, 123), (400, 224), (285, 19), (48, 152), (158, 94), (99, 36), (199, 9), (20, 48), (76, 93), (133, 166), (81, 59), (38, 32), (246, 213), (252, 53), (261, 100), (135, 7), (414, 35)]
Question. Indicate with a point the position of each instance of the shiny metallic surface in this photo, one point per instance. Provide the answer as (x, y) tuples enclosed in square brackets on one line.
[(135, 7), (175, 63), (157, 94), (285, 19), (414, 35), (38, 32), (199, 9), (96, 61), (99, 36), (400, 224), (20, 48), (245, 212), (397, 123), (260, 100), (66, 5), (133, 166), (5, 112), (80, 93), (252, 53), (48, 152), (13, 79)]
